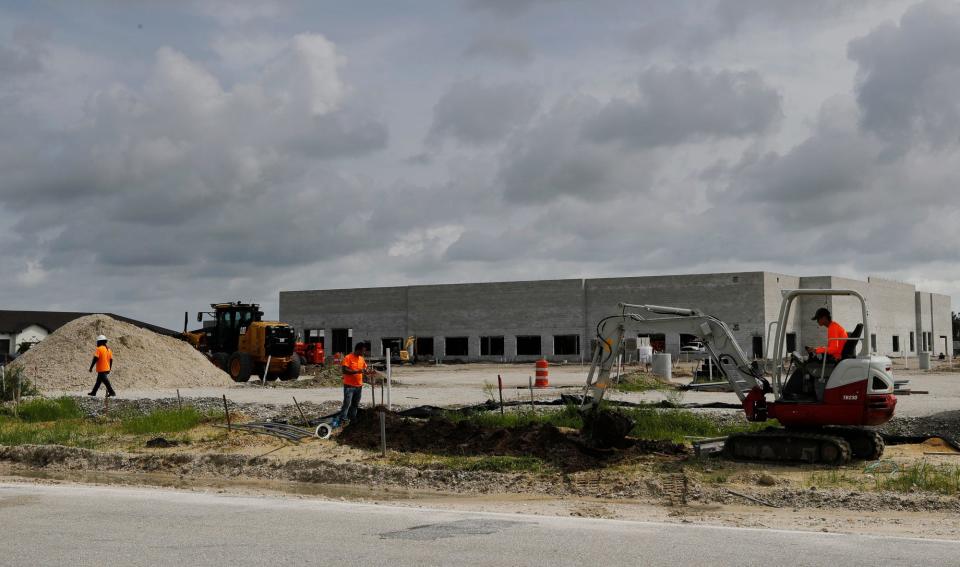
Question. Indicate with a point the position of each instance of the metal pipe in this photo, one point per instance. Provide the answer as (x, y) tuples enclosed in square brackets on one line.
[(383, 434), (266, 369), (389, 380)]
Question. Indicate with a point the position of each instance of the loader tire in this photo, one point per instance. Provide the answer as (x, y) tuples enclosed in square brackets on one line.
[(220, 360), (292, 371), (240, 366)]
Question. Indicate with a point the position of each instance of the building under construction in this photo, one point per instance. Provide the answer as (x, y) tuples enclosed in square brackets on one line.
[(556, 319)]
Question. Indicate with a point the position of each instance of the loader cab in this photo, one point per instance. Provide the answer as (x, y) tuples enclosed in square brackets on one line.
[(230, 320)]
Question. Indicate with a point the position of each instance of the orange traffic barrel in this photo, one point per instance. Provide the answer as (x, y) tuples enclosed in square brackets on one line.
[(542, 381)]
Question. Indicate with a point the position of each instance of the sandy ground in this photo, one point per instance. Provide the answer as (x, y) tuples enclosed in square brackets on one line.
[(465, 384)]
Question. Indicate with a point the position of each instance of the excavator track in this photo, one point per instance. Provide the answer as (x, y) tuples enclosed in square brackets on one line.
[(865, 444), (781, 445)]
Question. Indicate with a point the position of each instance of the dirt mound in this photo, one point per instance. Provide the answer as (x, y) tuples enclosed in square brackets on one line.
[(142, 358), (323, 377), (441, 436)]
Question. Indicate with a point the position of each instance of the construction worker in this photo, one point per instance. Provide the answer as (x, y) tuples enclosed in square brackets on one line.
[(836, 336), (103, 360), (355, 371)]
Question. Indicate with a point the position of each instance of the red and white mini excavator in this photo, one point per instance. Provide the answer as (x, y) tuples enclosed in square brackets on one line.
[(825, 406)]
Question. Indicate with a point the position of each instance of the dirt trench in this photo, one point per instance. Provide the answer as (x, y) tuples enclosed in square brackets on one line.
[(440, 436)]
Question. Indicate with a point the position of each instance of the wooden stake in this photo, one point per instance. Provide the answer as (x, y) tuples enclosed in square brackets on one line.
[(226, 412), (179, 403), (500, 387), (532, 408)]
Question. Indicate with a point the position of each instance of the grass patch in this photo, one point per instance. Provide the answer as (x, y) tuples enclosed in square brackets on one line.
[(73, 433), (480, 463), (566, 417), (44, 409), (676, 425), (916, 477), (942, 479), (162, 421), (650, 423)]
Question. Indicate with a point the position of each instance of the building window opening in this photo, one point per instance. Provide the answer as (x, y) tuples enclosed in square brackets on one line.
[(456, 346), (528, 345), (423, 346), (565, 345), (491, 346)]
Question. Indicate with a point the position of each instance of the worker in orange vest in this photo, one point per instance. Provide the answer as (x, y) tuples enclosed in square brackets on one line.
[(836, 336), (355, 373), (103, 360)]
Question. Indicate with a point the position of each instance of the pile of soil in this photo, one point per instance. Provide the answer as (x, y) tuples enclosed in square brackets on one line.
[(640, 380), (323, 377), (141, 358), (440, 436)]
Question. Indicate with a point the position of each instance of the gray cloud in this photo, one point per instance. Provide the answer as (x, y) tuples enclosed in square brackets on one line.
[(183, 169), (500, 45), (691, 28), (150, 172), (507, 8), (681, 104), (472, 112), (910, 76)]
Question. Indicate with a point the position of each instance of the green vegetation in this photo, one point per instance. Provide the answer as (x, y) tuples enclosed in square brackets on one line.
[(60, 421), (566, 417), (12, 379), (162, 421), (943, 479), (920, 476), (650, 423), (45, 409), (73, 433)]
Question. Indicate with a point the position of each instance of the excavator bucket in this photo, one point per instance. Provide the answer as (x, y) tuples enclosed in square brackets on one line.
[(606, 429)]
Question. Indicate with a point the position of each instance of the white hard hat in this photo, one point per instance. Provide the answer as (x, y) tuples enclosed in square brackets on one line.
[(101, 338)]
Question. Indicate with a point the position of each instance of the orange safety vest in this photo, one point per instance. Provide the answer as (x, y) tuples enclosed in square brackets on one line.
[(835, 343), (353, 362), (104, 358)]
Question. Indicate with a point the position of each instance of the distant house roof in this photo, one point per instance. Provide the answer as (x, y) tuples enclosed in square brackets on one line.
[(16, 321)]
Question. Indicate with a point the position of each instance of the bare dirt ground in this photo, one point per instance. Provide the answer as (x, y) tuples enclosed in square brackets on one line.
[(655, 484)]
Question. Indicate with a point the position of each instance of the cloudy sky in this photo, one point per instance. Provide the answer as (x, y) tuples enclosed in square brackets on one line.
[(158, 156)]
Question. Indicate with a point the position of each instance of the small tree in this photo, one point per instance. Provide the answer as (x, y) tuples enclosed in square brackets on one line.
[(956, 326), (11, 381)]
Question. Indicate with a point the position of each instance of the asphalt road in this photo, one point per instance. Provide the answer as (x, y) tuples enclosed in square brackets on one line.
[(81, 525)]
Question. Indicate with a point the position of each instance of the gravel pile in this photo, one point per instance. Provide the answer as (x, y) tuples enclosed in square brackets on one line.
[(944, 423), (142, 358)]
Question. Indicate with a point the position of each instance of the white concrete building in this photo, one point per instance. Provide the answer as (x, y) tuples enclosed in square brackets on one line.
[(556, 319)]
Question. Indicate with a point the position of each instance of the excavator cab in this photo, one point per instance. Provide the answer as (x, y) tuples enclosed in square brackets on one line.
[(822, 405)]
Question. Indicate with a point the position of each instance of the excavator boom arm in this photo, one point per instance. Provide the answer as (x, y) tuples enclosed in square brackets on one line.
[(716, 336)]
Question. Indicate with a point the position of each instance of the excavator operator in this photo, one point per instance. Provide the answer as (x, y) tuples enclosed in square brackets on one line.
[(836, 336)]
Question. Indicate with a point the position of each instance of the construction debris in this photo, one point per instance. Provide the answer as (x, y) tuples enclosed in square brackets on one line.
[(142, 358)]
